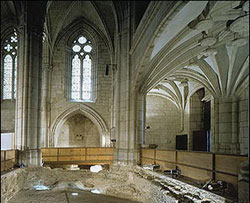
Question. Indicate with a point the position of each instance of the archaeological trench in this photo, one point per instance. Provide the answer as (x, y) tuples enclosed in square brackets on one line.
[(117, 184)]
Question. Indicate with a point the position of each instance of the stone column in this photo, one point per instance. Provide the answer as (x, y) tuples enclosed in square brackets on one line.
[(140, 101), (226, 125), (216, 125), (46, 72), (29, 84), (124, 111), (235, 147), (212, 130)]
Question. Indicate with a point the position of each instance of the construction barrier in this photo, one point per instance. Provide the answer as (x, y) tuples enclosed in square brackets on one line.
[(199, 166)]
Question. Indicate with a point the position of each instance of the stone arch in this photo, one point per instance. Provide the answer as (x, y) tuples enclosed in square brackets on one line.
[(165, 97), (193, 91), (89, 113)]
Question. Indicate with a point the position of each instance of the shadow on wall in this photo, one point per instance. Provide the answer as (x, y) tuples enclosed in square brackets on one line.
[(78, 131), (164, 119)]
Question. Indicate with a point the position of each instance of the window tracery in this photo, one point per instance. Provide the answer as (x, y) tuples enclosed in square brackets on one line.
[(10, 67), (81, 69)]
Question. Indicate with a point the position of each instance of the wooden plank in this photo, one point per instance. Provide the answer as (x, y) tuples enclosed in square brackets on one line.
[(202, 160), (2, 166), (77, 158), (64, 152), (228, 163), (148, 153), (146, 161), (165, 165), (91, 158), (64, 158), (92, 151), (75, 155), (9, 164), (49, 152), (2, 155), (102, 158), (165, 155), (77, 152), (194, 173), (10, 154), (78, 162), (228, 178), (106, 151), (49, 159)]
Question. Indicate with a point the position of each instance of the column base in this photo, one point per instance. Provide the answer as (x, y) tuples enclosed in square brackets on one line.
[(126, 156), (30, 157), (235, 148), (215, 147), (224, 148)]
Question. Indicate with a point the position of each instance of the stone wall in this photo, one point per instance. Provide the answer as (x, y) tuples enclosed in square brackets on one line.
[(59, 86), (164, 119), (244, 121), (78, 131), (8, 116), (195, 116), (7, 106)]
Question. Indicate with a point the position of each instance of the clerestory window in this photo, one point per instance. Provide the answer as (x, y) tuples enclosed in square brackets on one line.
[(81, 70), (9, 61)]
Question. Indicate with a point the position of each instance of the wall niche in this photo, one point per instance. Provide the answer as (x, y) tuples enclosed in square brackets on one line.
[(78, 131)]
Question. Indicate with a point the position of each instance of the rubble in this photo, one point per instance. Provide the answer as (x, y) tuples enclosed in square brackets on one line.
[(129, 182)]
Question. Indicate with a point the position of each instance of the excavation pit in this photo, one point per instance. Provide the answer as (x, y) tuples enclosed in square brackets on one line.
[(119, 184)]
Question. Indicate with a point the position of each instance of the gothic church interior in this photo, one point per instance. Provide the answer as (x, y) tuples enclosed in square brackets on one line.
[(124, 85)]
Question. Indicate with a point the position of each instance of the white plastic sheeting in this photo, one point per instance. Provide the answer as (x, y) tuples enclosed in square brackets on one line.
[(96, 168), (96, 191)]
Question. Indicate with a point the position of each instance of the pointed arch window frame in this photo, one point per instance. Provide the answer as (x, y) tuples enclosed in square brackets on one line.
[(82, 54), (9, 49)]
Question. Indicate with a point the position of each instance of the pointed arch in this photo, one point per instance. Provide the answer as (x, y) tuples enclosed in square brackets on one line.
[(90, 113)]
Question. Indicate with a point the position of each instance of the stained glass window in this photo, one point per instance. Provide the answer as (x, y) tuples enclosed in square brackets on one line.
[(81, 75), (7, 77), (10, 67)]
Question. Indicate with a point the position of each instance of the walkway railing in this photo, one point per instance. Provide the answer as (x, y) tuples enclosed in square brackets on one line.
[(78, 155), (199, 166), (8, 159)]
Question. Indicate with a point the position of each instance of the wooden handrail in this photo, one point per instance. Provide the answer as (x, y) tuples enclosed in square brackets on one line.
[(83, 157), (200, 162), (8, 163)]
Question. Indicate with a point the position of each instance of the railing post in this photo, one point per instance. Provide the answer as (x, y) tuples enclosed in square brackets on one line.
[(57, 154), (154, 156), (85, 154), (4, 166), (213, 168), (16, 156), (176, 153)]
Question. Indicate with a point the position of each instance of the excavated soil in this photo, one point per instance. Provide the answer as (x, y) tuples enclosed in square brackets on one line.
[(119, 184)]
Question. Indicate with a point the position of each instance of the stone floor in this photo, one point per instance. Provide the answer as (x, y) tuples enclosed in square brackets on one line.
[(64, 196)]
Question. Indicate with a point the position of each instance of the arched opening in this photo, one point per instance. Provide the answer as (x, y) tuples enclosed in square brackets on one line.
[(199, 121), (78, 131), (79, 123)]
